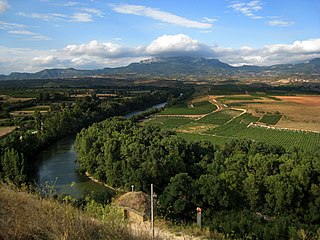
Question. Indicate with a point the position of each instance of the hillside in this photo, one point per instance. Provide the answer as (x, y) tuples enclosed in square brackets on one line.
[(26, 216), (176, 67)]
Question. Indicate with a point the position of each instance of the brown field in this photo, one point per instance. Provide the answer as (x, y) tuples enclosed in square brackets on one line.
[(24, 113), (307, 100), (6, 130), (299, 112), (8, 99)]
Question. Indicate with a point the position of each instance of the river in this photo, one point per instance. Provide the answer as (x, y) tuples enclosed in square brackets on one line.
[(56, 167)]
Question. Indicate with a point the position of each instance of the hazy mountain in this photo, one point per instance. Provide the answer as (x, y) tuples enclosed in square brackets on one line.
[(174, 66)]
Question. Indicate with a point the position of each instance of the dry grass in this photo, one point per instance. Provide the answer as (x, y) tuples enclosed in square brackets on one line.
[(6, 130), (26, 216), (8, 99)]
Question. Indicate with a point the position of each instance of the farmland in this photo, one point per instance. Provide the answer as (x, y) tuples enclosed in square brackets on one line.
[(6, 130), (196, 108), (282, 120)]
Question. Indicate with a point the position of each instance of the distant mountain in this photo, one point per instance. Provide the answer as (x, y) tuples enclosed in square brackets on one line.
[(174, 66)]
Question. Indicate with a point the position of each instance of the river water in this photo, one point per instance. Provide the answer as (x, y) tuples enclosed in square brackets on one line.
[(56, 167)]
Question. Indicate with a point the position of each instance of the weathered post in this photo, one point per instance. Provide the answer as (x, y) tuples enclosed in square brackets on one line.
[(199, 216), (152, 223)]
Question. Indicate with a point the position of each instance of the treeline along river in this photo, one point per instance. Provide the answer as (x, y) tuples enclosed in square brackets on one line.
[(56, 167)]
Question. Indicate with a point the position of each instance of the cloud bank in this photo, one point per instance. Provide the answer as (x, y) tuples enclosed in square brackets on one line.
[(95, 54)]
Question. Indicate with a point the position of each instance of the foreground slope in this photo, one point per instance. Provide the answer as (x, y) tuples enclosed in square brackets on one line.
[(26, 216)]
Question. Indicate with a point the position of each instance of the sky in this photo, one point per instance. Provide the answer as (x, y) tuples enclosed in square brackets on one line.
[(93, 34)]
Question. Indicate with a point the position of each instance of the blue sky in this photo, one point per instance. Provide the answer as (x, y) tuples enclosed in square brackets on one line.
[(38, 34)]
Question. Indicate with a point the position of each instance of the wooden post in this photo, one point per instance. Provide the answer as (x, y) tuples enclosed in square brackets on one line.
[(152, 222), (199, 216)]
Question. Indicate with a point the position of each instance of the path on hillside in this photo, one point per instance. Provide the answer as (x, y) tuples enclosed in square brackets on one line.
[(160, 233)]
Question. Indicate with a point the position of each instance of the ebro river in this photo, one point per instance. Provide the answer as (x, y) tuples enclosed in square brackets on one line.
[(56, 167)]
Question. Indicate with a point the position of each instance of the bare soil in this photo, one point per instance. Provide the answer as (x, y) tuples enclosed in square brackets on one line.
[(299, 112)]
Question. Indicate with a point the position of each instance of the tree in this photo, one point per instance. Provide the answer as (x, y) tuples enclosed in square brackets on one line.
[(176, 198), (13, 165)]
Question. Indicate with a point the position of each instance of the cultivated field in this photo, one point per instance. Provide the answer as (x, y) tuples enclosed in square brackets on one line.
[(30, 111), (283, 120), (8, 99), (6, 130), (192, 108)]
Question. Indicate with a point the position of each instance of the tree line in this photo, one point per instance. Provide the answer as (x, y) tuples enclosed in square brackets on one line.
[(246, 188)]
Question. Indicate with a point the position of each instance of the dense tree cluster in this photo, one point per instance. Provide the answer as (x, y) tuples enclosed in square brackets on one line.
[(244, 187), (19, 147)]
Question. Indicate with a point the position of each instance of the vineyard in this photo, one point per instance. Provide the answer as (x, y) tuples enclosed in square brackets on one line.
[(271, 119), (192, 109), (166, 122), (219, 117), (226, 124)]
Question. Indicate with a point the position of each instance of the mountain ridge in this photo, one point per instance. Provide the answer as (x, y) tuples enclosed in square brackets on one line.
[(173, 66)]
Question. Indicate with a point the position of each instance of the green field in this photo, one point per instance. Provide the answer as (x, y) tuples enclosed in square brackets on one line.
[(234, 98), (37, 108), (219, 117), (183, 109), (222, 126), (203, 137), (165, 122), (271, 119)]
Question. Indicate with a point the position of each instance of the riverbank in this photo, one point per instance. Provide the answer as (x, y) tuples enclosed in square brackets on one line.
[(102, 183), (55, 165)]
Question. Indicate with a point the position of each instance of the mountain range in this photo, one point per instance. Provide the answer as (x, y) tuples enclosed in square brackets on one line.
[(175, 67)]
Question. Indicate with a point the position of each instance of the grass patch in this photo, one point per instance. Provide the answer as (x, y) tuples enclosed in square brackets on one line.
[(37, 108), (168, 122), (240, 98), (238, 104), (183, 109), (204, 137), (195, 127)]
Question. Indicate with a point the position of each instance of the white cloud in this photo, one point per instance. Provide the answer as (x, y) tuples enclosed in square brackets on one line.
[(45, 17), (280, 23), (31, 36), (175, 45), (8, 26), (209, 20), (96, 49), (94, 11), (85, 16), (157, 14), (44, 60), (68, 4), (3, 6), (95, 54), (21, 32), (248, 9), (81, 17)]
